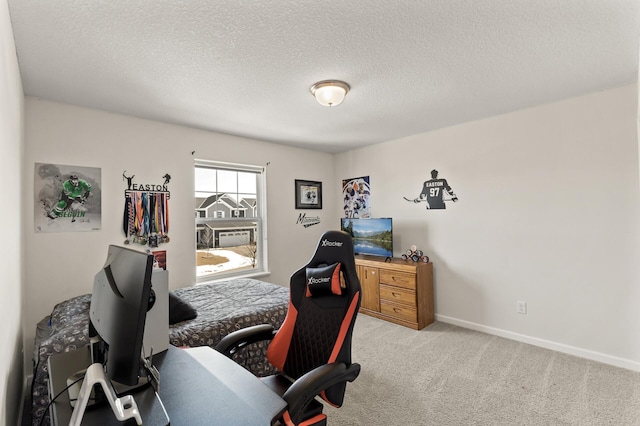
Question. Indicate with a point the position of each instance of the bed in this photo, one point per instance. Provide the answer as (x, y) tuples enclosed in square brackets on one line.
[(221, 308)]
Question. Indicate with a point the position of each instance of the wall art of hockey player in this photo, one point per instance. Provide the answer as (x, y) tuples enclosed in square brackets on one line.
[(433, 193), (67, 198), (355, 195)]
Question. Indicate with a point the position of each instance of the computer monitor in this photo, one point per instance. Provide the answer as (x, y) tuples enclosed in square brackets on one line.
[(119, 305), (121, 297)]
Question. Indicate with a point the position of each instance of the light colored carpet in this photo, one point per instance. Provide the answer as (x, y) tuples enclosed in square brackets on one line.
[(447, 375)]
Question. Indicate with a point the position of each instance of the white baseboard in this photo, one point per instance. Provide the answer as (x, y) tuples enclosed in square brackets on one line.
[(547, 344)]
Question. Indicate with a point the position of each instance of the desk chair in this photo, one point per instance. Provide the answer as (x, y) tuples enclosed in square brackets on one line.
[(312, 349)]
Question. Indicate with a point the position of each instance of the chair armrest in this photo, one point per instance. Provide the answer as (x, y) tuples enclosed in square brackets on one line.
[(311, 384), (232, 342)]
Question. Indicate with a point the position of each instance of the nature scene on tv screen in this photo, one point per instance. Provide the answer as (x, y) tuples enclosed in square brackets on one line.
[(370, 236)]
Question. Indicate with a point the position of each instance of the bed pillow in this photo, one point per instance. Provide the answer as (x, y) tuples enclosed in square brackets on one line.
[(324, 280), (179, 310)]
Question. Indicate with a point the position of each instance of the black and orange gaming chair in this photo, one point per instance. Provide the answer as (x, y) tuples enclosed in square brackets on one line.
[(312, 349)]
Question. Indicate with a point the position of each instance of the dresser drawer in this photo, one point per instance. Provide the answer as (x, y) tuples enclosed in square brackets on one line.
[(399, 279), (398, 311), (398, 295)]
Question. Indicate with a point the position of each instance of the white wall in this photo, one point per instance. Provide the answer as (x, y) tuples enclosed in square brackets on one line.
[(11, 136), (62, 265), (549, 214)]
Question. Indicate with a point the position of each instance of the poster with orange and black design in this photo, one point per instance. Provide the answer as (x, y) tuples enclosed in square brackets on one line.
[(67, 198), (355, 196)]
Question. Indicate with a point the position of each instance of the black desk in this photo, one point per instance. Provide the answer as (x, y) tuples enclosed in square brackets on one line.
[(198, 386)]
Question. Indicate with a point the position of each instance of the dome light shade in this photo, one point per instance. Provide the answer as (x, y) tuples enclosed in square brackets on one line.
[(330, 92)]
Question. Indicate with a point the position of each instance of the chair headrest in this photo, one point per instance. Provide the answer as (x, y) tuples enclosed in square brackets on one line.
[(333, 257), (324, 280)]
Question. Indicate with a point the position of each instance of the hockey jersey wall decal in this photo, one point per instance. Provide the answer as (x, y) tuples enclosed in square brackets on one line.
[(435, 192)]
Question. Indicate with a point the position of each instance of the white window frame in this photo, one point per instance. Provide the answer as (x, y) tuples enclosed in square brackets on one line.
[(261, 267)]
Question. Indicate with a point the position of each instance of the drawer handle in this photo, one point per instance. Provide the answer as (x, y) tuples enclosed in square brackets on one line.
[(395, 294), (397, 310)]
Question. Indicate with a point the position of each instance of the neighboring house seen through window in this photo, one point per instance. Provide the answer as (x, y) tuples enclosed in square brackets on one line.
[(230, 220)]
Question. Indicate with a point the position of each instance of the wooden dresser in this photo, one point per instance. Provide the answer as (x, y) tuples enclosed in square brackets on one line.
[(397, 290)]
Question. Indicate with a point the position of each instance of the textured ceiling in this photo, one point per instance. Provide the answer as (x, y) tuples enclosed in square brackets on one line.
[(244, 67)]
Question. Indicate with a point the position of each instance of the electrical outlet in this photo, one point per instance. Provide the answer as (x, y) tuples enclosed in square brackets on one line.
[(521, 307)]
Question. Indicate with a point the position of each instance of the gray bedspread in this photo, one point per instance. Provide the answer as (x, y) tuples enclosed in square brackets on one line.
[(222, 307)]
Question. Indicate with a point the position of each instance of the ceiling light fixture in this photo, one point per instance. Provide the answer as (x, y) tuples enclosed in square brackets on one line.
[(330, 92)]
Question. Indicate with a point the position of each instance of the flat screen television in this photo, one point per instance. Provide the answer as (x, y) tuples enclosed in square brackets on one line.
[(370, 236)]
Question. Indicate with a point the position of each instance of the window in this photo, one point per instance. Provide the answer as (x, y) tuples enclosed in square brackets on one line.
[(230, 222)]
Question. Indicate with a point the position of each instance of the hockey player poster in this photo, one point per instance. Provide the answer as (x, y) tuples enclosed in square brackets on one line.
[(355, 195), (67, 198)]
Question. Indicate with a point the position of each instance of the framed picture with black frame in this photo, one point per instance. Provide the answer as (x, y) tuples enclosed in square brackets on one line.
[(308, 194)]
